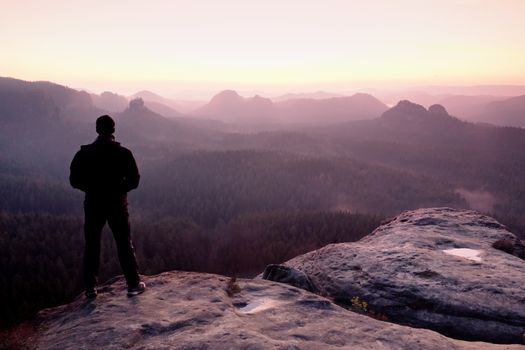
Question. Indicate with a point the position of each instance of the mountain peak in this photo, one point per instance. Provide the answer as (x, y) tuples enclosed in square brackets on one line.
[(137, 110), (136, 103), (409, 111), (363, 95), (147, 95), (229, 104), (437, 109), (407, 114), (405, 106), (227, 94), (260, 101)]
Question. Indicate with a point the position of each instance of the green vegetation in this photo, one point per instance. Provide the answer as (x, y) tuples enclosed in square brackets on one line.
[(232, 287)]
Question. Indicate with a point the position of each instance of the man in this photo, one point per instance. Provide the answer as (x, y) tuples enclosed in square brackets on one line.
[(106, 172)]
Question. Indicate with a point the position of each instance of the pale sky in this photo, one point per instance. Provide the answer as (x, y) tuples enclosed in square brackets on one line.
[(170, 46)]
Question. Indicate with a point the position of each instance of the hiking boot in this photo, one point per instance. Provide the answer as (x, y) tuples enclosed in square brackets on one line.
[(138, 289), (91, 293)]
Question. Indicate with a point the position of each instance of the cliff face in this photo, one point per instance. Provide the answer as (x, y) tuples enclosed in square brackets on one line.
[(453, 271), (433, 268)]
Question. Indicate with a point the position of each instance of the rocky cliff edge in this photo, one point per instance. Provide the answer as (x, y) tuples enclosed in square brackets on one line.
[(441, 269)]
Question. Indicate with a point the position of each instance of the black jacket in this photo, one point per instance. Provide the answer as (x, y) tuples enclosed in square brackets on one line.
[(104, 168)]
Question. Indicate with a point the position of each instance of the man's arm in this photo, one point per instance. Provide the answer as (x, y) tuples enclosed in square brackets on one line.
[(131, 174), (77, 177)]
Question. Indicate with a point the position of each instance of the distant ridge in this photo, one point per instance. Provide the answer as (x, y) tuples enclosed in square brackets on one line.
[(61, 95), (147, 95), (494, 90), (408, 111), (467, 106), (509, 112), (419, 121), (137, 110), (229, 106), (318, 95), (138, 122), (150, 97), (331, 110), (110, 101), (22, 101)]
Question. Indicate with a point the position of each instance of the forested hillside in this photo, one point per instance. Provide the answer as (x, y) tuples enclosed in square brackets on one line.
[(213, 198), (43, 260)]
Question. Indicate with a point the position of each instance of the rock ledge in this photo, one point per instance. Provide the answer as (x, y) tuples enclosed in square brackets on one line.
[(432, 268)]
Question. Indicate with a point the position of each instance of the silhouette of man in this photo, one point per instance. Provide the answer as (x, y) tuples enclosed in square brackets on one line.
[(106, 172)]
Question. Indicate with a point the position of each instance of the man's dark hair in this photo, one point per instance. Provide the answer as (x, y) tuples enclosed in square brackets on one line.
[(105, 125)]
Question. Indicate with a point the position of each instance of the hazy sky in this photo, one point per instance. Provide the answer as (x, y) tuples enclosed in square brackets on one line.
[(172, 45)]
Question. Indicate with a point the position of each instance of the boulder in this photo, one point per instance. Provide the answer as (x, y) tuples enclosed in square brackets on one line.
[(453, 271), (184, 310), (288, 275)]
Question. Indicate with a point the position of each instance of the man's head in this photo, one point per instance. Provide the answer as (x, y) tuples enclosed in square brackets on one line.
[(105, 125)]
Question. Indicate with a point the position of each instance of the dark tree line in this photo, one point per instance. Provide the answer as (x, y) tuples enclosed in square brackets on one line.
[(249, 243), (210, 187), (228, 212), (42, 263)]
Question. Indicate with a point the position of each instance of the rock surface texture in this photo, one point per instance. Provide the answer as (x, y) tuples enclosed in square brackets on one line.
[(430, 268), (182, 310)]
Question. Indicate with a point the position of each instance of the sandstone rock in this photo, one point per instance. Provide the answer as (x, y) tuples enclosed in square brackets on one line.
[(288, 275), (182, 310), (429, 268)]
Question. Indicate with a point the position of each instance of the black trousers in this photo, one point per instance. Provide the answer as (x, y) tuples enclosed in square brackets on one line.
[(114, 211)]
